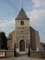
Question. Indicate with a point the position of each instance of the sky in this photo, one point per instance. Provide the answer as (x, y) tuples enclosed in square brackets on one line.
[(35, 9)]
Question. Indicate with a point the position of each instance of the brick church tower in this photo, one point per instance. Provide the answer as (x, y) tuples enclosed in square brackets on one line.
[(22, 32)]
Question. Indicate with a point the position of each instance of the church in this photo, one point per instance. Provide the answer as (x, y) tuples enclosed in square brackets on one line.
[(24, 35)]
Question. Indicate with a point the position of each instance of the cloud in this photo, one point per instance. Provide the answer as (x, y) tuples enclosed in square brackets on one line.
[(38, 3), (3, 23), (7, 25), (38, 16)]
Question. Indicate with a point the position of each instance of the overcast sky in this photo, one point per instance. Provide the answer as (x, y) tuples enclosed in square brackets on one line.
[(35, 10)]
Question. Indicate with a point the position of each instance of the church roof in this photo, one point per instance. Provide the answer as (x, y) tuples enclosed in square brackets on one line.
[(22, 15)]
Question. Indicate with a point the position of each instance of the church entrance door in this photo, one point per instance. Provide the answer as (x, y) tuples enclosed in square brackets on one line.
[(22, 45)]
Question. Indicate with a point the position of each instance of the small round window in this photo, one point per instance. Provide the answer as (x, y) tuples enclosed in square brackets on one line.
[(22, 22)]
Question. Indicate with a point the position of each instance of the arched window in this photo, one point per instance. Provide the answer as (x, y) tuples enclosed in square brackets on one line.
[(22, 22), (10, 37)]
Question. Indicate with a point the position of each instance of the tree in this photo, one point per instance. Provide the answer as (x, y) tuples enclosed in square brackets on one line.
[(4, 41)]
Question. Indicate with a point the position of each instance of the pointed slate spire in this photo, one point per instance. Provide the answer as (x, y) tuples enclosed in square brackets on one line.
[(22, 15)]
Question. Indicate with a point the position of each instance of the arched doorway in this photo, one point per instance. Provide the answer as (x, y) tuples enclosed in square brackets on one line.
[(22, 45)]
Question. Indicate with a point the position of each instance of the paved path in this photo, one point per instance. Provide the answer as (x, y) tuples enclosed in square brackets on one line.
[(27, 58), (21, 58)]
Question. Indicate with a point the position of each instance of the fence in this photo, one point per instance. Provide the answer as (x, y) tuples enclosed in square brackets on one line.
[(6, 53), (39, 54), (33, 54)]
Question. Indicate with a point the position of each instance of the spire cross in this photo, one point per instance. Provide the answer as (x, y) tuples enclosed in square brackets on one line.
[(21, 1)]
